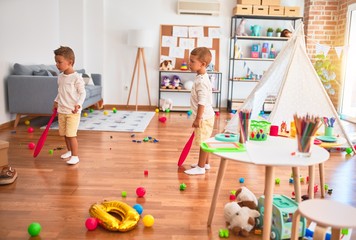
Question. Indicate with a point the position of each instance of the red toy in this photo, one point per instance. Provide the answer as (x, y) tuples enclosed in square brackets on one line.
[(185, 150), (43, 137)]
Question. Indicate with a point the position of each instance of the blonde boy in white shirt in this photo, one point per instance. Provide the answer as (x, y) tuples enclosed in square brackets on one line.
[(69, 101), (201, 103)]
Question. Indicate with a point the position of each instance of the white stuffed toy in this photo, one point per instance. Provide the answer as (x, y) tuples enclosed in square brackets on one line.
[(166, 104), (241, 220), (240, 29), (246, 198)]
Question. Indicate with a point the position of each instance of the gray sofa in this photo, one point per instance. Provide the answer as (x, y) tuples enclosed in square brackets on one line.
[(31, 90)]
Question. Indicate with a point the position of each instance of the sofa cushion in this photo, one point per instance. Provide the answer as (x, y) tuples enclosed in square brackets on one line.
[(92, 91), (20, 69), (42, 72)]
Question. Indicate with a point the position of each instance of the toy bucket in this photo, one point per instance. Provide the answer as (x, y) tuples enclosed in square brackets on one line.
[(259, 130)]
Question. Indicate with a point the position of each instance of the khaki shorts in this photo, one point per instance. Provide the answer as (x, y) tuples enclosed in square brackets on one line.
[(204, 132), (68, 124)]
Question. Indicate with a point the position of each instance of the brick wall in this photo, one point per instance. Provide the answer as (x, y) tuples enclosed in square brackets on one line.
[(325, 24)]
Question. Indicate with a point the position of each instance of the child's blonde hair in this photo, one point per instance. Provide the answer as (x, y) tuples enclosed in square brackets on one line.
[(66, 52), (203, 54)]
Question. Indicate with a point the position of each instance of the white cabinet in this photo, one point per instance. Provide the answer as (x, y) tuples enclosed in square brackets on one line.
[(180, 96), (250, 56)]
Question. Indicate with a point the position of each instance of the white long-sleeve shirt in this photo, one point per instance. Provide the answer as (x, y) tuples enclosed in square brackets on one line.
[(71, 92), (202, 94)]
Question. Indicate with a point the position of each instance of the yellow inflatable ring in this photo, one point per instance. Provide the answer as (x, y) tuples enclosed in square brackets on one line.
[(128, 215)]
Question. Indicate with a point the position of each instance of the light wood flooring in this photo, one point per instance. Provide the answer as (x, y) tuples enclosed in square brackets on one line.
[(58, 196)]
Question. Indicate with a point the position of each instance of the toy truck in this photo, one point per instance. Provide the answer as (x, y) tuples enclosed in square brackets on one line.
[(282, 214)]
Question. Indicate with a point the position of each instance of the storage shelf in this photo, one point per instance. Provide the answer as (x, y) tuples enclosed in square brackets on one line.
[(183, 90), (253, 59), (261, 38), (268, 17)]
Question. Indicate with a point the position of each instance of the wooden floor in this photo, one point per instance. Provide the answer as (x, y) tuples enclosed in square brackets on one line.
[(58, 196)]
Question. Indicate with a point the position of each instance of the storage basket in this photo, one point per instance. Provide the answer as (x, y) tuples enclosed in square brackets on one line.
[(259, 130)]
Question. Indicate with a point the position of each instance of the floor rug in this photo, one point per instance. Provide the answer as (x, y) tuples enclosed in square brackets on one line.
[(121, 121)]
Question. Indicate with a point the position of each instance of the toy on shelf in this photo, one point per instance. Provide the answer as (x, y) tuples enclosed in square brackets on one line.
[(166, 65), (176, 82), (166, 104), (166, 82), (256, 30), (184, 66), (240, 29), (265, 50), (255, 51)]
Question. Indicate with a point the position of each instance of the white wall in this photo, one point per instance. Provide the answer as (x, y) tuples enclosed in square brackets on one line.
[(97, 31)]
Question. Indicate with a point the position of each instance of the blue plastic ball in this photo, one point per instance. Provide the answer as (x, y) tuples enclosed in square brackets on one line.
[(138, 208), (241, 180)]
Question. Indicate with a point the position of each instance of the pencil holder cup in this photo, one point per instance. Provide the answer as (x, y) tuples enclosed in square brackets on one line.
[(244, 130), (259, 130), (304, 145), (328, 131)]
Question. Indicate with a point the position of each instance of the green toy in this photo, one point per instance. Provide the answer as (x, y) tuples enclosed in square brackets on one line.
[(34, 229)]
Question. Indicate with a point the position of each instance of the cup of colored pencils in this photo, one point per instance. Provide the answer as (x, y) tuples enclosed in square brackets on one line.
[(306, 127), (244, 118)]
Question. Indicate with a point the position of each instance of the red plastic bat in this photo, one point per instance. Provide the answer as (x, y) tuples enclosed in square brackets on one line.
[(185, 150), (43, 137)]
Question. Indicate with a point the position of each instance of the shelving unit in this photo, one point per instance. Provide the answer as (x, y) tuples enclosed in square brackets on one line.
[(182, 103), (244, 71)]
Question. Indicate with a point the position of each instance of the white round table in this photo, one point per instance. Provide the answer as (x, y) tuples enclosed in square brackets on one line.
[(272, 153)]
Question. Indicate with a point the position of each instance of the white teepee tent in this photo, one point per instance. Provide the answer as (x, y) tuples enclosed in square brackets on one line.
[(294, 82)]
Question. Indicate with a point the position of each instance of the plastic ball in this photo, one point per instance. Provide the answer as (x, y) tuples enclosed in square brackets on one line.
[(232, 197), (148, 220), (30, 130), (50, 151), (157, 110), (91, 110), (183, 186), (140, 191), (105, 113), (85, 114), (189, 113), (217, 114), (241, 180), (188, 85), (91, 223), (145, 172), (123, 193), (162, 119), (31, 145), (167, 110), (348, 150), (278, 181), (138, 208), (34, 229), (27, 122)]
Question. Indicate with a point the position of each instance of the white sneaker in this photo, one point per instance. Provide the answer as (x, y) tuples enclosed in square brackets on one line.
[(207, 166), (67, 154), (73, 160), (195, 171)]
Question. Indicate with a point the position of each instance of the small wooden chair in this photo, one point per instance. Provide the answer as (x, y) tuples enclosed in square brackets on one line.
[(325, 213)]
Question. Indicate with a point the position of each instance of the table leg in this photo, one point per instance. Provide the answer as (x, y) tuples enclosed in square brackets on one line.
[(311, 181), (296, 184), (219, 178), (269, 187), (322, 179), (335, 233), (295, 225)]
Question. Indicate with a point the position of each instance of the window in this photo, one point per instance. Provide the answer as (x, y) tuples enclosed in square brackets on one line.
[(348, 103)]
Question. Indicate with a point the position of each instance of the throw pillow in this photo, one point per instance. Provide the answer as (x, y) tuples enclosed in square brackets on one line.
[(20, 69), (87, 79), (54, 73), (42, 72)]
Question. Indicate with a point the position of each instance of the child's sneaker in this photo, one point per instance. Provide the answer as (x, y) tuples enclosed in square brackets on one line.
[(67, 154), (73, 160), (207, 166), (195, 171), (7, 175)]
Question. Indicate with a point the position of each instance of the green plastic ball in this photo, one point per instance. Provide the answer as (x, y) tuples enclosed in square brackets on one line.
[(167, 110), (278, 181), (183, 186), (348, 150), (91, 110), (50, 151), (123, 193), (34, 229)]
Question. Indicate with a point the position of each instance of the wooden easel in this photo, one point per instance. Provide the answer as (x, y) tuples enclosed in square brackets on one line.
[(140, 54)]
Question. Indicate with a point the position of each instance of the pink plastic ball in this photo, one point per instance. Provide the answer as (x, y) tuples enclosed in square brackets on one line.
[(91, 223), (30, 130), (140, 191), (162, 119), (31, 145)]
